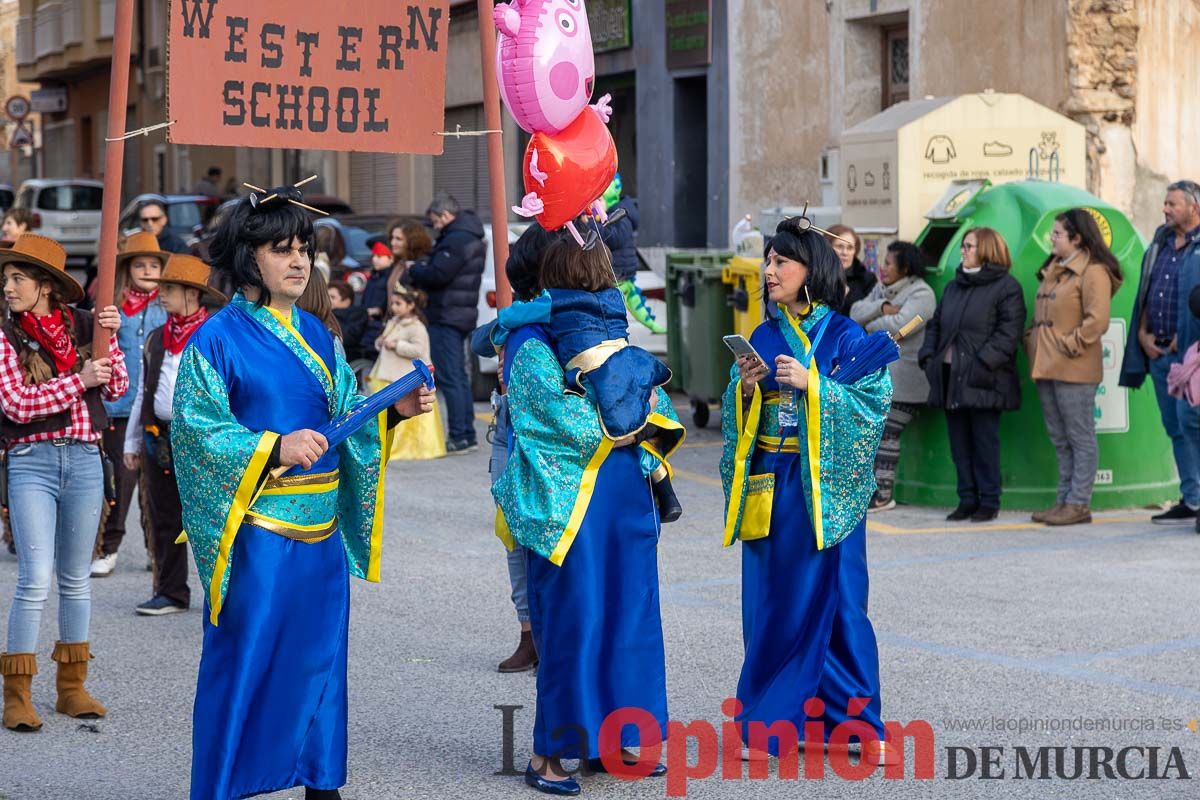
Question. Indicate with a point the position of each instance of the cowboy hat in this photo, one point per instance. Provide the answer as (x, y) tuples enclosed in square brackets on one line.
[(189, 271), (141, 244), (46, 255)]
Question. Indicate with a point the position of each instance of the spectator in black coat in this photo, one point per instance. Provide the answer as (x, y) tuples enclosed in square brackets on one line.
[(970, 358), (351, 318), (451, 275), (859, 280)]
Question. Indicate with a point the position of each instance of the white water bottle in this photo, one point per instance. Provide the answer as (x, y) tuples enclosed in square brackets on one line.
[(787, 408)]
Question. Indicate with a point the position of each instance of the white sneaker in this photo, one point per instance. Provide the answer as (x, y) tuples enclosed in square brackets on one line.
[(103, 566)]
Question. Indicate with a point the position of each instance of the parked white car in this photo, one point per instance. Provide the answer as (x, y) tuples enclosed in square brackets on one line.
[(653, 285), (66, 210)]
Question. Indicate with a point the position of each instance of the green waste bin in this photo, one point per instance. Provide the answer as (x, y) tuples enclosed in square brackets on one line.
[(698, 315), (1136, 466)]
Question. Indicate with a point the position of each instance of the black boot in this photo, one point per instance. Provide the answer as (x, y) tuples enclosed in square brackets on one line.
[(321, 794), (669, 508)]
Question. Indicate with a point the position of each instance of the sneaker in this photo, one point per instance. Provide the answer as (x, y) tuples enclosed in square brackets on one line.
[(103, 566), (158, 606), (460, 448), (1178, 514), (879, 504)]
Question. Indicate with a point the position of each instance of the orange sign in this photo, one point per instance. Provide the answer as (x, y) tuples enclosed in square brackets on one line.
[(367, 76)]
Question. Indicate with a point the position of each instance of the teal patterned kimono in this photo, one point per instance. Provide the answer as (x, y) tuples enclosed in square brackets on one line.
[(247, 378), (558, 448), (792, 495), (274, 554), (836, 438)]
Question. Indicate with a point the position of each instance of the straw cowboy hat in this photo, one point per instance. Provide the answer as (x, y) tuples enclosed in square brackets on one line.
[(141, 244), (47, 256), (189, 271)]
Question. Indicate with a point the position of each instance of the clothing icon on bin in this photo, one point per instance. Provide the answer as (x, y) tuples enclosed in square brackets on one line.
[(940, 149)]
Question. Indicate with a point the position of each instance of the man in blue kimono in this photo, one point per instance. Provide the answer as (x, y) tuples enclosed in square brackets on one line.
[(274, 554)]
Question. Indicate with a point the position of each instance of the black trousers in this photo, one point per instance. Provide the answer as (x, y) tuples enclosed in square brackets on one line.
[(112, 524), (166, 521), (975, 448)]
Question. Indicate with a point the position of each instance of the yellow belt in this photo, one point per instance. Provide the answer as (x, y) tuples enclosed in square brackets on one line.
[(771, 444), (288, 530)]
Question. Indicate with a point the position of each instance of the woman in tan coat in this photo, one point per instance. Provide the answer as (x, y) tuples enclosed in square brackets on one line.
[(1071, 313)]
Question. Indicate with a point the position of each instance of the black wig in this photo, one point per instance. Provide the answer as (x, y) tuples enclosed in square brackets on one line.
[(826, 280), (245, 228)]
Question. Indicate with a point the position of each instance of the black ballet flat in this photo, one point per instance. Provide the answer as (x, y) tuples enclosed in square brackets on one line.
[(563, 788), (321, 794), (597, 765)]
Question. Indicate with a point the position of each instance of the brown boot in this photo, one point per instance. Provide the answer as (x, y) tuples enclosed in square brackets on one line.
[(18, 670), (524, 658), (1070, 515), (1041, 516), (73, 699)]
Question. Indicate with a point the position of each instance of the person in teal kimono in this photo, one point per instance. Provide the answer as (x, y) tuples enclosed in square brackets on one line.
[(796, 497), (274, 553), (582, 506)]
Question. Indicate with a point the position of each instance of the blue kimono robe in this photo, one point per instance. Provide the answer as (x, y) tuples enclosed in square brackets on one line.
[(797, 500), (585, 512), (274, 555)]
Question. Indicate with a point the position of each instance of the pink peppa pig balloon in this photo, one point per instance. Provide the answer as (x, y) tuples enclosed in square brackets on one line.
[(545, 64)]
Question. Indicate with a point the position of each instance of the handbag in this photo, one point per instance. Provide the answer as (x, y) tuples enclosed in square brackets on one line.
[(1183, 379)]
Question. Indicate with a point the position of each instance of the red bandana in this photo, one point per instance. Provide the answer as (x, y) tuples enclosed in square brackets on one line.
[(136, 300), (52, 334), (180, 328)]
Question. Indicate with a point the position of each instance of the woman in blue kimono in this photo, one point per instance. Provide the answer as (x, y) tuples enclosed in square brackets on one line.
[(274, 554), (583, 508), (797, 496)]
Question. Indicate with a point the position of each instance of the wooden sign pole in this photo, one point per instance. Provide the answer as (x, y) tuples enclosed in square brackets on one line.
[(114, 165), (495, 150)]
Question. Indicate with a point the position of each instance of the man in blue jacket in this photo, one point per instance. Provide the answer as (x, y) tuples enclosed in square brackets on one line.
[(1164, 330), (451, 275)]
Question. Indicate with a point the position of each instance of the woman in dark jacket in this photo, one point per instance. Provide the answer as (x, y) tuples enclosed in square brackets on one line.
[(859, 279), (970, 357)]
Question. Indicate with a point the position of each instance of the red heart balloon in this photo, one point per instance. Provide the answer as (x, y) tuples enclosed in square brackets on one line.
[(569, 170)]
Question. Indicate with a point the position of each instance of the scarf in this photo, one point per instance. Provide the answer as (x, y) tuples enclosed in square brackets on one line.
[(180, 328), (136, 300), (52, 334)]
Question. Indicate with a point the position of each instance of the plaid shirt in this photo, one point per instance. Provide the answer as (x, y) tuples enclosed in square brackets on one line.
[(23, 404), (1162, 305)]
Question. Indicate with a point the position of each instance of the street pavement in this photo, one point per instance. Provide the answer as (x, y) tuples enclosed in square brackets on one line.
[(1088, 635)]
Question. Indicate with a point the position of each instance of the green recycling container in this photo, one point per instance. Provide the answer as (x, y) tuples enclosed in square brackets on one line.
[(698, 315), (1136, 466)]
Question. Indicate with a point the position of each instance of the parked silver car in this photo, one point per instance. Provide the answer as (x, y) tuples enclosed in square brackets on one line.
[(66, 210)]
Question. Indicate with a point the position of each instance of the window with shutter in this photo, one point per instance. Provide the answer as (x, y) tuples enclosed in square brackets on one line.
[(374, 183), (461, 170)]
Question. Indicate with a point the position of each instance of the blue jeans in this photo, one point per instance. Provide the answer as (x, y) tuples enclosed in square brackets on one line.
[(1182, 423), (447, 348), (518, 577), (54, 496)]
